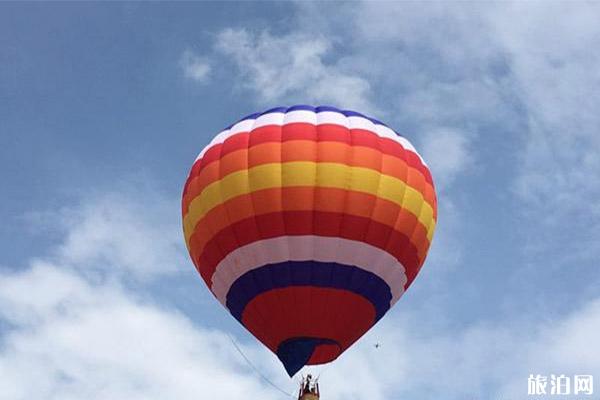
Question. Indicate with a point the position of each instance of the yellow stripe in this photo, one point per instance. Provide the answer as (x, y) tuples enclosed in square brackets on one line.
[(307, 173)]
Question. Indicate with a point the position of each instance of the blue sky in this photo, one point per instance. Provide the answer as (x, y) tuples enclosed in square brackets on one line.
[(104, 106)]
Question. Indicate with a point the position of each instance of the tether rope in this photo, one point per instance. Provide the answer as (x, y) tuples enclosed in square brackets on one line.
[(260, 374)]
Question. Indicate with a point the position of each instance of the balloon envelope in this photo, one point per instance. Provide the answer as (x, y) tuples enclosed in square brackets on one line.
[(308, 224)]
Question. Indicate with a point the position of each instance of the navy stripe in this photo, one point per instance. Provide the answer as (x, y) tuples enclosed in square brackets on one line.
[(302, 107), (308, 273), (317, 109), (274, 110)]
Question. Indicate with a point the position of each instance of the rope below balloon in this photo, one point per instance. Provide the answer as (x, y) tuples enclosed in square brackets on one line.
[(260, 374)]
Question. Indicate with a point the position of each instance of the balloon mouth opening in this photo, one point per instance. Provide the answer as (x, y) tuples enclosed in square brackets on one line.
[(295, 353)]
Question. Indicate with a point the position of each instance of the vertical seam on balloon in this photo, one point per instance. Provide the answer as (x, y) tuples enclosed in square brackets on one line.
[(287, 243), (282, 213), (405, 153), (213, 232), (398, 212), (393, 227), (260, 241), (364, 236), (221, 251), (355, 271), (348, 179), (312, 227), (410, 239), (316, 238), (370, 224), (258, 311), (228, 227), (267, 322), (326, 297)]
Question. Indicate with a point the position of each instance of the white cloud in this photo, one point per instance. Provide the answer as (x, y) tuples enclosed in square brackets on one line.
[(70, 339), (293, 68), (111, 232), (76, 339), (487, 360), (195, 67), (557, 77), (567, 346), (448, 153), (118, 230), (66, 335), (519, 77)]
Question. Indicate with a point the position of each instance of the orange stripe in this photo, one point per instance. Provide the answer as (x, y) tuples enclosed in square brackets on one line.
[(307, 150), (308, 199)]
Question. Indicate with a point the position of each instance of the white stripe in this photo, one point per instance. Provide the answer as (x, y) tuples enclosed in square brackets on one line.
[(242, 126), (356, 122), (220, 138), (275, 118), (304, 116), (306, 248), (332, 117), (310, 117), (386, 132)]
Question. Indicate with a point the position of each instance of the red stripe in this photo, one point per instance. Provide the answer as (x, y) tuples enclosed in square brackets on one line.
[(301, 223), (330, 152), (299, 311), (310, 199), (305, 131)]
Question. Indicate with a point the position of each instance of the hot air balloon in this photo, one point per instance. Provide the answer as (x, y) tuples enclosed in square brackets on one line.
[(308, 224)]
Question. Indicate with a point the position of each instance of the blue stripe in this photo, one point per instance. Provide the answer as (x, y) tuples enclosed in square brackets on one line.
[(308, 273), (302, 107), (274, 110), (317, 109), (328, 108)]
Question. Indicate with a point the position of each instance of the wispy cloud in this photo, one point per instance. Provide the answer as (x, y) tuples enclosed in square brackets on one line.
[(75, 340), (293, 68), (79, 337), (557, 79), (73, 326), (448, 153), (516, 77), (114, 231), (194, 67), (111, 231)]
